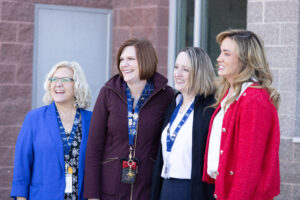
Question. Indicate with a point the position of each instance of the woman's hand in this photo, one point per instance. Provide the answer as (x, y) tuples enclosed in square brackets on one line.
[(21, 198)]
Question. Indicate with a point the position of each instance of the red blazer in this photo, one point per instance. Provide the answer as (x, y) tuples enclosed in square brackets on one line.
[(249, 160)]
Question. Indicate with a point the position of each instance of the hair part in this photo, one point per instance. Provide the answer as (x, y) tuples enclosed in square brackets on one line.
[(202, 75), (82, 93), (251, 53), (145, 54)]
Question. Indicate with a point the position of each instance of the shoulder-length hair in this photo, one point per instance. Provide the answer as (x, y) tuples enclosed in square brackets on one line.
[(81, 89), (145, 54), (202, 75), (251, 53)]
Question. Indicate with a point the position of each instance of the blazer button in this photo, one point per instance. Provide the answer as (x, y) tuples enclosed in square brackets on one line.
[(231, 173), (221, 152), (215, 196), (244, 94), (224, 130)]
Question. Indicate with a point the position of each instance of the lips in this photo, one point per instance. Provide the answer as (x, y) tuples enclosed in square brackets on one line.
[(221, 67)]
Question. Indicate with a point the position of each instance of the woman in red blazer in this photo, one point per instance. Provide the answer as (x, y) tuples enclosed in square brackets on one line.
[(243, 143)]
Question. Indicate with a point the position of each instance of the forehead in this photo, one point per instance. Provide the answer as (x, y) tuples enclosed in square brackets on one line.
[(128, 51), (228, 44), (63, 72), (183, 59)]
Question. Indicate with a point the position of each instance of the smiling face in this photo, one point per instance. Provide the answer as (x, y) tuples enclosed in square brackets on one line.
[(182, 72), (62, 92), (229, 64), (129, 65)]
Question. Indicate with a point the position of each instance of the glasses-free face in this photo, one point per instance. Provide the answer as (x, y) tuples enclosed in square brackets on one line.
[(229, 64), (129, 65), (62, 80), (62, 86), (181, 72)]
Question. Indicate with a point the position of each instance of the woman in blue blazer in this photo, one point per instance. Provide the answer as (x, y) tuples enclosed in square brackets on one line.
[(50, 149)]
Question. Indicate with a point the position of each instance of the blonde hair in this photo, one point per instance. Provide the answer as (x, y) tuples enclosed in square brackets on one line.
[(81, 89), (202, 75), (251, 53)]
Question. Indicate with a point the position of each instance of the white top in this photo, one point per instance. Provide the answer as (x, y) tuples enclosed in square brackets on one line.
[(178, 162), (215, 136)]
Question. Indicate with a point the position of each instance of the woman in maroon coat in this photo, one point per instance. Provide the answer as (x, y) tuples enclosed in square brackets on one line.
[(126, 125)]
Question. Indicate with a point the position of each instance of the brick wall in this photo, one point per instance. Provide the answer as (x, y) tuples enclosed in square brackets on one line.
[(132, 18), (277, 22)]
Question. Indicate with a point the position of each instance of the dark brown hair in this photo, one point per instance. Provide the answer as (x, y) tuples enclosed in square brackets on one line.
[(145, 54)]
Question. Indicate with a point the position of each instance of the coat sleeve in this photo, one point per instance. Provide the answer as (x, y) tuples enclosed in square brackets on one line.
[(258, 146), (23, 160), (95, 147)]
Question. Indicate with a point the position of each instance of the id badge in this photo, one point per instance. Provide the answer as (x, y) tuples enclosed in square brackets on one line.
[(68, 188), (129, 170)]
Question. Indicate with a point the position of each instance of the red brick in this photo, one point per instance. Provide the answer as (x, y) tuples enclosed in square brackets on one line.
[(25, 33), (122, 3), (143, 3), (18, 11), (163, 71), (16, 53), (8, 32), (156, 16), (14, 114), (5, 193), (98, 3), (24, 74), (7, 156), (162, 36), (162, 54), (7, 73), (120, 36), (14, 94), (145, 32), (6, 175), (131, 17), (8, 135)]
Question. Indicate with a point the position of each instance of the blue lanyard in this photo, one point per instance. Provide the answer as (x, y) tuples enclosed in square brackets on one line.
[(171, 139), (133, 116), (67, 142)]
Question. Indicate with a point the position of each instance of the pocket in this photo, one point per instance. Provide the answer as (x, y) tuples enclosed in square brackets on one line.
[(110, 175)]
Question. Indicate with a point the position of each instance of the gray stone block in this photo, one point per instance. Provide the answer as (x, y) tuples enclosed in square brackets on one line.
[(285, 192), (282, 57), (275, 74), (290, 172), (281, 11), (268, 32), (289, 34), (288, 104), (286, 150), (287, 82), (297, 153), (296, 192), (287, 123), (255, 12)]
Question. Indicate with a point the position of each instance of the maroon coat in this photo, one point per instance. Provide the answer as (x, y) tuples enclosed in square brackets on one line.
[(108, 141)]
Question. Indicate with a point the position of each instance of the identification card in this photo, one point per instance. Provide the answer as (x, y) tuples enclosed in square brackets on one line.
[(129, 170), (68, 188)]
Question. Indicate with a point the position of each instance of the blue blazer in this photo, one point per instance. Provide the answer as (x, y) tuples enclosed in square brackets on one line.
[(39, 171)]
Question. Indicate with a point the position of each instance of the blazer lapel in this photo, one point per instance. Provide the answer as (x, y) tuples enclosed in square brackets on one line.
[(55, 135)]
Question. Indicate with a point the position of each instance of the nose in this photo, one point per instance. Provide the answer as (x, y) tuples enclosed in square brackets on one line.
[(219, 58)]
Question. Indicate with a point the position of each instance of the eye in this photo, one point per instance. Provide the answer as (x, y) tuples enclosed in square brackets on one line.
[(53, 79), (175, 67), (131, 58)]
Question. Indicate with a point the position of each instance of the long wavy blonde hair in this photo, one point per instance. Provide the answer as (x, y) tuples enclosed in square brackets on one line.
[(251, 53)]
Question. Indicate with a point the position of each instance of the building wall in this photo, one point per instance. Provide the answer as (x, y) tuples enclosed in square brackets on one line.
[(132, 18), (277, 22)]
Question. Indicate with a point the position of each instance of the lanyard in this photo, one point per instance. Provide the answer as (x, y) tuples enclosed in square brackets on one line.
[(67, 142), (134, 115), (171, 139)]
